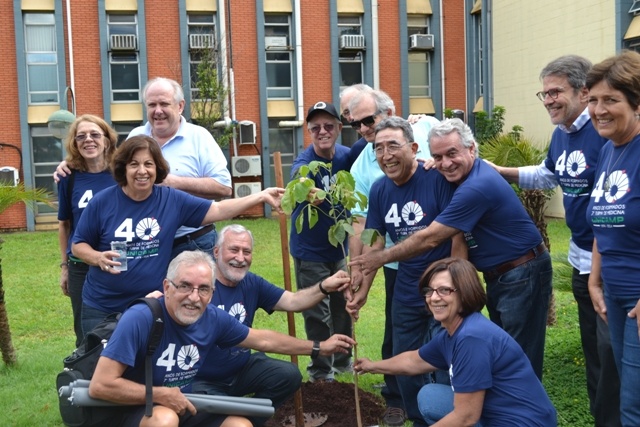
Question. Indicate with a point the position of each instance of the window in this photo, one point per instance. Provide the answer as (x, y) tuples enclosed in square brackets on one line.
[(282, 140), (124, 129), (277, 33), (42, 58), (124, 61), (46, 154), (350, 60), (419, 61), (202, 46)]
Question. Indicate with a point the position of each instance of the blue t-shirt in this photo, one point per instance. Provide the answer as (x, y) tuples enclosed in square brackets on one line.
[(497, 227), (241, 302), (572, 157), (85, 185), (356, 149), (148, 227), (400, 211), (613, 214), (481, 356), (182, 349), (312, 244)]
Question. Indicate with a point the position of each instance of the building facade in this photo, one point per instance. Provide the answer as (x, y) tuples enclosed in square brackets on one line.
[(277, 58)]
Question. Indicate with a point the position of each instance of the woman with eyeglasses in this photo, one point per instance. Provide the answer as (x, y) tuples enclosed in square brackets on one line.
[(145, 215), (90, 144), (492, 381)]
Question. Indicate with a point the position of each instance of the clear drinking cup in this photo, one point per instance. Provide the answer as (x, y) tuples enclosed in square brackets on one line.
[(121, 248)]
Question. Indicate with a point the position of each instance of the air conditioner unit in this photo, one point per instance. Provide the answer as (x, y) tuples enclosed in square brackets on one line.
[(421, 42), (9, 176), (247, 130), (635, 8), (242, 189), (246, 166), (352, 41), (123, 42), (201, 41), (276, 42)]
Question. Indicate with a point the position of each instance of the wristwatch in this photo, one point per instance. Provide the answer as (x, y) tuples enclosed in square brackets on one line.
[(315, 351), (323, 290)]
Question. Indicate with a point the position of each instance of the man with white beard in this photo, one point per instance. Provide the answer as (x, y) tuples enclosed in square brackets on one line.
[(236, 371)]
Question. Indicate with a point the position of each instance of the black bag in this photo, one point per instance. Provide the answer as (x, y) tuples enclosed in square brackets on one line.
[(82, 363)]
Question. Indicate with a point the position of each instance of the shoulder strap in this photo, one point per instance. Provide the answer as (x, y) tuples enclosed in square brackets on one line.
[(70, 182), (154, 340)]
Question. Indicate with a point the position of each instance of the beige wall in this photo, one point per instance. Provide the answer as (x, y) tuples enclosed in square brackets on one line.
[(526, 36)]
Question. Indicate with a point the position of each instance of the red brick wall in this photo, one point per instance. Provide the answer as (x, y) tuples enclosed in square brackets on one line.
[(163, 39), (14, 217), (245, 66), (454, 55), (389, 51)]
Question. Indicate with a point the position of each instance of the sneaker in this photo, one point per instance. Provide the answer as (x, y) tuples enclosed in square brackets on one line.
[(393, 417)]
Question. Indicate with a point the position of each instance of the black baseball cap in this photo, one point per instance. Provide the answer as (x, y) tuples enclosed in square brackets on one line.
[(322, 106)]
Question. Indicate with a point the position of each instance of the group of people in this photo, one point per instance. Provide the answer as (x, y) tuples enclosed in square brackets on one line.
[(443, 362)]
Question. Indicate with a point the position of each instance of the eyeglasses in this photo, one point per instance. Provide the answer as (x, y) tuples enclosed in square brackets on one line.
[(443, 291), (83, 136), (186, 289), (553, 93), (328, 127), (367, 121), (391, 149)]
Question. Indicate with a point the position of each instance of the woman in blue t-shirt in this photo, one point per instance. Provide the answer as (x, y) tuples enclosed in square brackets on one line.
[(614, 107), (90, 145), (145, 215), (492, 381)]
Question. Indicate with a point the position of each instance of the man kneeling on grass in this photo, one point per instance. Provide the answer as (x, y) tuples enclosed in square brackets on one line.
[(191, 326)]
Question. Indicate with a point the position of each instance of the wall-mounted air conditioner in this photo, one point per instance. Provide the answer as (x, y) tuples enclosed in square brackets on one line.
[(247, 130), (9, 176), (201, 41), (123, 42), (421, 42), (276, 43), (242, 189), (352, 41), (246, 166)]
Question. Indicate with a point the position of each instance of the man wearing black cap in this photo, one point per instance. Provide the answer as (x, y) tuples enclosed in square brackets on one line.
[(314, 257)]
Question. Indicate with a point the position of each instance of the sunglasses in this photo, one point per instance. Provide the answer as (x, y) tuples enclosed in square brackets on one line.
[(328, 127), (367, 121)]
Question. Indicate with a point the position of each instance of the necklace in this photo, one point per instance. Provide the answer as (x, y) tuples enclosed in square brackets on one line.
[(607, 183)]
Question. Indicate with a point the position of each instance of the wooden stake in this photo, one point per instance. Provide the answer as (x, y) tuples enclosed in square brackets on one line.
[(286, 269)]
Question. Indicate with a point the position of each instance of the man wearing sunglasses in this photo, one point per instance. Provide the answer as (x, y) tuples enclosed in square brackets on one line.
[(314, 257), (368, 108)]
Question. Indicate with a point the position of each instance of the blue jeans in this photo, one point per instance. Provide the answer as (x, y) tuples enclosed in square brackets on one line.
[(91, 317), (391, 391), (518, 302), (412, 328), (435, 402), (204, 243), (326, 318), (626, 352), (603, 383), (262, 377)]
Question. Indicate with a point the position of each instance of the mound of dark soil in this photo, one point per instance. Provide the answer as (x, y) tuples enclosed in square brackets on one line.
[(334, 399)]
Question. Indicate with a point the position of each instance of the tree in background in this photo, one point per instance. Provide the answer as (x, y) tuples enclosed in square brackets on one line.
[(9, 196), (208, 103)]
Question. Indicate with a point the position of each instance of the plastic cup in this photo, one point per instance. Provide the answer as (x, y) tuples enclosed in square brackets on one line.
[(121, 248)]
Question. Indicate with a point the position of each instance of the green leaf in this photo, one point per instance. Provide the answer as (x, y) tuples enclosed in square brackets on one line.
[(299, 223), (312, 216), (369, 236)]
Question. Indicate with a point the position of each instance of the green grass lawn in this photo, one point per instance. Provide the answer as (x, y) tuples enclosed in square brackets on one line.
[(41, 325)]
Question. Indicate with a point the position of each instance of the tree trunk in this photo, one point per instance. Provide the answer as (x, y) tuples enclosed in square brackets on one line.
[(6, 346)]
